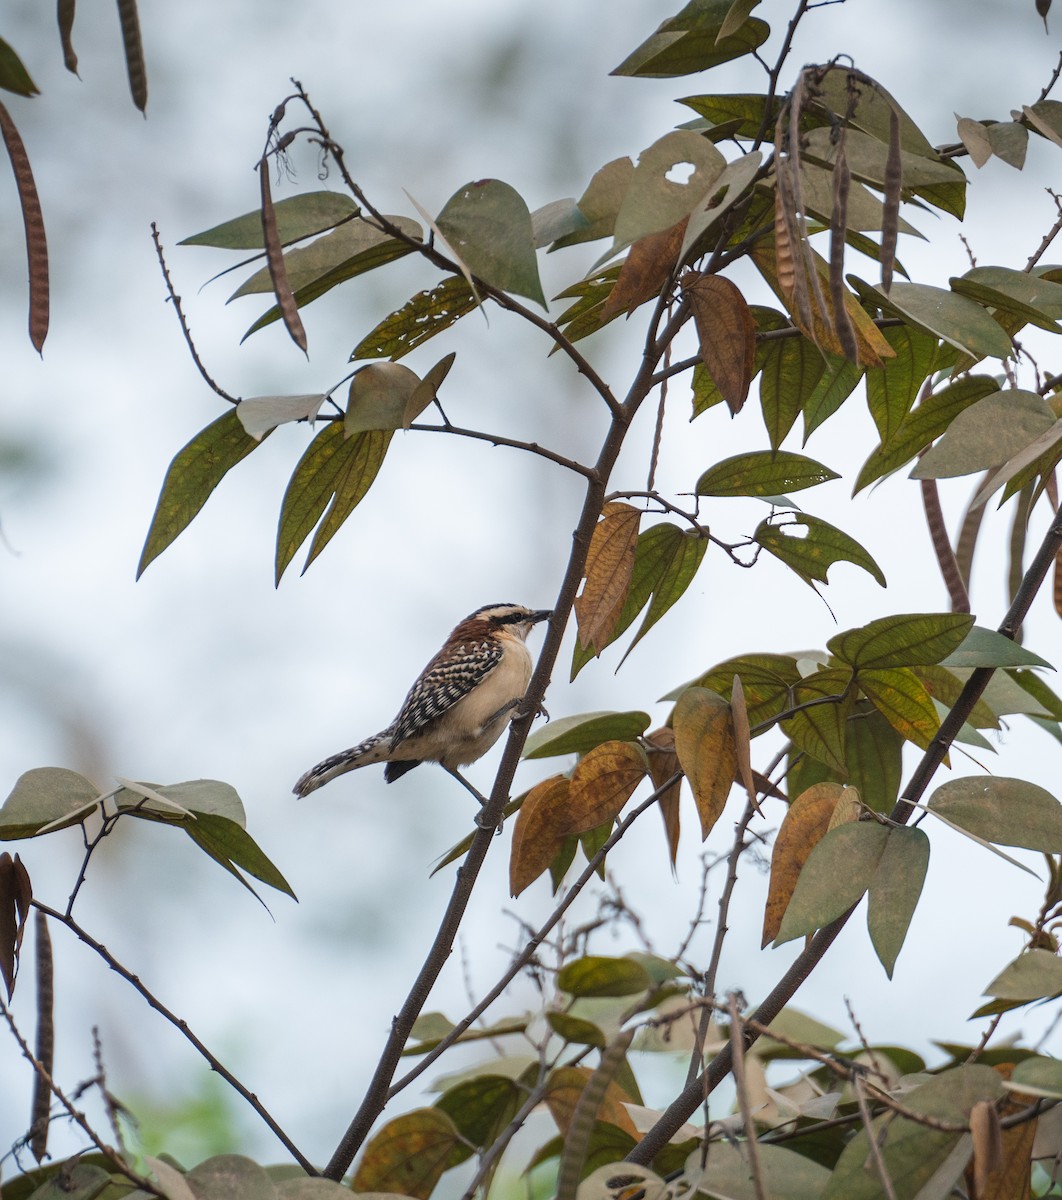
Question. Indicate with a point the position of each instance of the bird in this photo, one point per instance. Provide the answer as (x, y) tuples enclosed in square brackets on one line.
[(459, 706)]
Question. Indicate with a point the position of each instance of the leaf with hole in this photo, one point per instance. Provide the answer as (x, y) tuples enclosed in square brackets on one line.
[(810, 546)]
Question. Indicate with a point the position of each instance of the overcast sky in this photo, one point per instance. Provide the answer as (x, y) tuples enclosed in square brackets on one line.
[(202, 669)]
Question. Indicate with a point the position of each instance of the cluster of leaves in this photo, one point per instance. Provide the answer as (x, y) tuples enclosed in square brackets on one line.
[(808, 177)]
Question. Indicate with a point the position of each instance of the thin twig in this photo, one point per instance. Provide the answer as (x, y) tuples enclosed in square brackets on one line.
[(175, 300), (681, 1108), (497, 440), (433, 255), (533, 942), (1049, 237), (182, 1026), (737, 1048), (79, 1118), (875, 1149)]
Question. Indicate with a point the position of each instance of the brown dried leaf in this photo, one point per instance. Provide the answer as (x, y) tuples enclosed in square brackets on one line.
[(645, 270), (609, 563), (743, 741), (65, 14), (805, 824), (663, 763), (704, 740), (566, 1086), (987, 1143), (45, 1048), (289, 310), (726, 330), (541, 826), (1011, 1176), (409, 1154), (602, 783), (134, 52), (15, 896), (33, 225)]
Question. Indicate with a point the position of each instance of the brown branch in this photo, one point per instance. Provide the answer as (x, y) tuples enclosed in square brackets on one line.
[(680, 1110), (497, 440), (181, 1026), (434, 256), (175, 300), (737, 1049), (79, 1118)]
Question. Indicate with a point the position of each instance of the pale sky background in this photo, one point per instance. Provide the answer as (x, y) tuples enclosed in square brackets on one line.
[(202, 669)]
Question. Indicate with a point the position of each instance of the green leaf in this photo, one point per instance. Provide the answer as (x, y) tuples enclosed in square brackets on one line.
[(792, 369), (837, 382), (765, 678), (575, 1030), (894, 892), (1008, 812), (901, 698), (1039, 1076), (1034, 975), (820, 730), (379, 397), (924, 423), (584, 317), (893, 388), (354, 242), (1026, 290), (578, 734), (654, 201), (420, 318), (558, 219), (873, 755), (480, 1108), (364, 457), (46, 796), (321, 277), (784, 1172), (836, 875), (746, 108), (945, 686), (908, 640), (13, 75), (665, 560), (333, 468), (181, 801), (689, 42), (233, 847), (488, 226), (920, 1161), (986, 648), (960, 322), (987, 434), (762, 473), (298, 217), (1003, 304), (194, 473), (810, 546), (596, 975)]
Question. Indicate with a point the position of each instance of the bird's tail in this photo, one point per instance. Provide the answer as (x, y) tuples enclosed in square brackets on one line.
[(372, 750)]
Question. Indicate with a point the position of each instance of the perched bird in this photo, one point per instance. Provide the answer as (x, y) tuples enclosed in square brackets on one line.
[(460, 705)]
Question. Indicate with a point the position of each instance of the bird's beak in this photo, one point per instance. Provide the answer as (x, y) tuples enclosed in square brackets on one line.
[(541, 614)]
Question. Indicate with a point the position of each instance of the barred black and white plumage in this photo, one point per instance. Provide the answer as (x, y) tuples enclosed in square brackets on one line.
[(460, 704)]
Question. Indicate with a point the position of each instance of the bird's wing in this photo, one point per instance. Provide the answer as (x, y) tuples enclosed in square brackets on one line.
[(446, 679)]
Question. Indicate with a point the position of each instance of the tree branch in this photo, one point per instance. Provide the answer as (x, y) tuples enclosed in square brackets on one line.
[(680, 1110), (182, 1027)]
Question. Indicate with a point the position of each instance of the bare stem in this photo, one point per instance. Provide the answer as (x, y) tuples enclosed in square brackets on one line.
[(182, 1026)]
